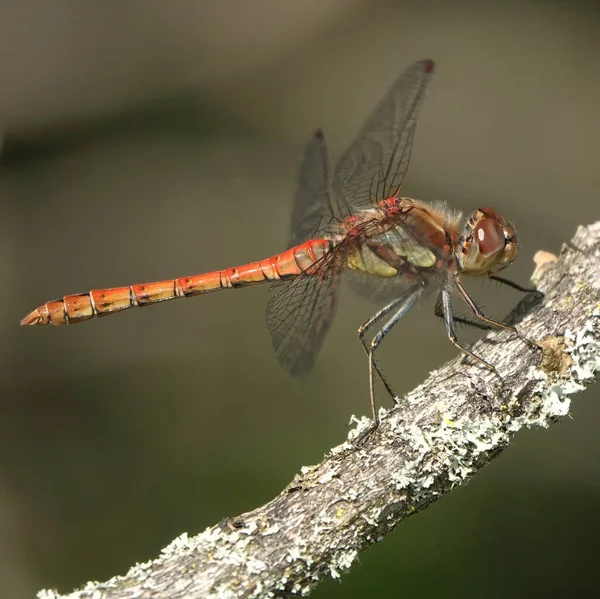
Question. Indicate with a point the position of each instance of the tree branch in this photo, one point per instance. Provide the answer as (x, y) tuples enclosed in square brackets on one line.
[(441, 434)]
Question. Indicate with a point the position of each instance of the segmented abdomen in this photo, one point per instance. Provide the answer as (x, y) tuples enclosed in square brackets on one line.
[(102, 302)]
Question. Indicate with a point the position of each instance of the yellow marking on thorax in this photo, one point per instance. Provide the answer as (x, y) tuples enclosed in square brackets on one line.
[(421, 257), (368, 261)]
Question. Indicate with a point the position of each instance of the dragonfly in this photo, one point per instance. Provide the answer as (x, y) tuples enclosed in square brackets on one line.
[(349, 220)]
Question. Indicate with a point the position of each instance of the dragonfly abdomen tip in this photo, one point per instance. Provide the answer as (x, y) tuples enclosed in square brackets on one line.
[(33, 318)]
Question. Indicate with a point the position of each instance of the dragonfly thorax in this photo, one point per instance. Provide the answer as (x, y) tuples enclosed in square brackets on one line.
[(391, 253), (488, 244)]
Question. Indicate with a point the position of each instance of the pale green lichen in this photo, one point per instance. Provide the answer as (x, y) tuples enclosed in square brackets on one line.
[(451, 446)]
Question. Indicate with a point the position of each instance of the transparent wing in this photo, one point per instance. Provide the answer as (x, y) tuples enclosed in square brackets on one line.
[(300, 312), (374, 166), (379, 290), (315, 203)]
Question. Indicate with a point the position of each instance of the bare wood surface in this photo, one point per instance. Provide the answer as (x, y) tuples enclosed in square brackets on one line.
[(442, 433)]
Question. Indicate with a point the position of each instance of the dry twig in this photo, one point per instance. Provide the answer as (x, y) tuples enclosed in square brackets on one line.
[(441, 435)]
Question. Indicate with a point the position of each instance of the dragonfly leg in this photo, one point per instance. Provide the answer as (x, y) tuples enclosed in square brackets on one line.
[(449, 324), (365, 327), (439, 312), (401, 307), (516, 286), (481, 316)]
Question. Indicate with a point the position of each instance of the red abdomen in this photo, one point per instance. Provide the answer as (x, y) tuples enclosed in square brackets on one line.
[(102, 302)]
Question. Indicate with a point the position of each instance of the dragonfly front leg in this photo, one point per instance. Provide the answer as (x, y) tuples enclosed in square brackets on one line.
[(400, 306), (514, 285)]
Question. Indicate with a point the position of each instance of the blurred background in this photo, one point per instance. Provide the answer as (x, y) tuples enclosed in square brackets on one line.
[(143, 140)]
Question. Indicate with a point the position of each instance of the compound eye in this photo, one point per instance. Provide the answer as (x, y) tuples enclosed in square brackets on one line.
[(490, 236)]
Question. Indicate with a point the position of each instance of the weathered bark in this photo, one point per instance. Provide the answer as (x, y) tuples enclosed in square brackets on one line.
[(441, 434)]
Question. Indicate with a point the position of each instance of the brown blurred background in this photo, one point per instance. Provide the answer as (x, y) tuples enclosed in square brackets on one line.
[(143, 140)]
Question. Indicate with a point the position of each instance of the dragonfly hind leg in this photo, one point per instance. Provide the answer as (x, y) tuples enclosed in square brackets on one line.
[(399, 306), (362, 331)]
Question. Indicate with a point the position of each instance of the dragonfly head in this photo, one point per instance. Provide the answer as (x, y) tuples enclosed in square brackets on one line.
[(489, 243)]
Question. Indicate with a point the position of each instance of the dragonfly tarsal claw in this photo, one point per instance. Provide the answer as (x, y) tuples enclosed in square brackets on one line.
[(362, 437), (532, 344), (496, 373)]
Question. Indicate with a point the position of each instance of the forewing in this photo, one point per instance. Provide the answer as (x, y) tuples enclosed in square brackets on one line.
[(374, 166), (300, 312), (314, 204)]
